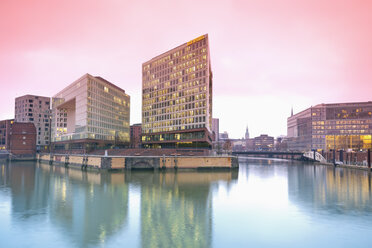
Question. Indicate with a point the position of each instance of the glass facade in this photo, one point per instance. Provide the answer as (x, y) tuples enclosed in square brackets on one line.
[(91, 108), (345, 126), (177, 90)]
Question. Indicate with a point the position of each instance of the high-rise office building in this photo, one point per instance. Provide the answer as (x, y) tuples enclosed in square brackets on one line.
[(90, 112), (177, 97), (345, 126), (35, 109)]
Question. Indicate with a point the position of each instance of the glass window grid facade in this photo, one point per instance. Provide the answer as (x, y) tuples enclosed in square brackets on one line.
[(177, 89), (334, 126), (101, 112)]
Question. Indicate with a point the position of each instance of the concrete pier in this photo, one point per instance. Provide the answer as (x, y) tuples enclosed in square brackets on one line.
[(140, 162)]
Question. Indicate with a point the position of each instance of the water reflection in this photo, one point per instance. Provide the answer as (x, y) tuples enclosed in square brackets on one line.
[(335, 190), (29, 191), (88, 208), (176, 208), (317, 187), (272, 203)]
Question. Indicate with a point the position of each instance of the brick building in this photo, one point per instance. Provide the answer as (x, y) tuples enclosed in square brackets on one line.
[(22, 140), (19, 139), (135, 135), (5, 126)]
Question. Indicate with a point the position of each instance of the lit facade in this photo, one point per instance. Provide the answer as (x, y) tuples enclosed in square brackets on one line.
[(36, 110), (91, 110), (177, 97), (264, 143), (346, 126)]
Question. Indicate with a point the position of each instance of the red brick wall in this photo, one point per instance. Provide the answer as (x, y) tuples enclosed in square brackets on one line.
[(135, 136), (23, 139)]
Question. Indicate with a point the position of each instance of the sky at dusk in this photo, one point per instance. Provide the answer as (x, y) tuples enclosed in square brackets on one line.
[(266, 56)]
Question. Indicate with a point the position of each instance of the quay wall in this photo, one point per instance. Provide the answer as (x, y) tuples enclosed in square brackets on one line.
[(140, 162)]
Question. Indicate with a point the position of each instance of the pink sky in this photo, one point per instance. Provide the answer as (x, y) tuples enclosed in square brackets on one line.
[(266, 55)]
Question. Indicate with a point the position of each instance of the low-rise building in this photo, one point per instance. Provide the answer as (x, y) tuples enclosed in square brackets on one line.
[(249, 144), (5, 126), (264, 143), (223, 136), (22, 142), (18, 139)]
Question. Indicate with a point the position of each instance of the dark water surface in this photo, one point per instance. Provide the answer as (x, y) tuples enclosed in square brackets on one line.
[(267, 203)]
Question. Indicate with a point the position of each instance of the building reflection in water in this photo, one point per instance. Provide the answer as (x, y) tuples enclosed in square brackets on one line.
[(335, 190), (87, 208), (29, 192), (176, 208)]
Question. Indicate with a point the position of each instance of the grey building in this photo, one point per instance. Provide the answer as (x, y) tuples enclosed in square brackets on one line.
[(216, 128)]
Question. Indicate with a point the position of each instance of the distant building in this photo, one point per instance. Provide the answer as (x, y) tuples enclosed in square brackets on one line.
[(91, 112), (36, 110), (249, 144), (345, 126), (264, 143), (224, 136), (238, 145), (177, 97), (5, 127), (19, 139), (216, 128), (135, 135), (281, 143)]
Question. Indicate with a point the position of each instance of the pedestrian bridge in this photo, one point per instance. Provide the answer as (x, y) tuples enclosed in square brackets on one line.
[(309, 156), (314, 156)]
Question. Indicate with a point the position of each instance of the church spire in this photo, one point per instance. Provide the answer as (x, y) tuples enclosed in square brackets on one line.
[(246, 133)]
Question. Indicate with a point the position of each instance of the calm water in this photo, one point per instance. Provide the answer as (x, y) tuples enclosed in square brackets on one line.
[(268, 203)]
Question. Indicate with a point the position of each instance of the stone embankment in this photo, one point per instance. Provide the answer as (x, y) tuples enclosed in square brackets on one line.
[(104, 162)]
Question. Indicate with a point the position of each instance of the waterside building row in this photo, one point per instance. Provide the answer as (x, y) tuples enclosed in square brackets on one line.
[(93, 113), (346, 126)]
